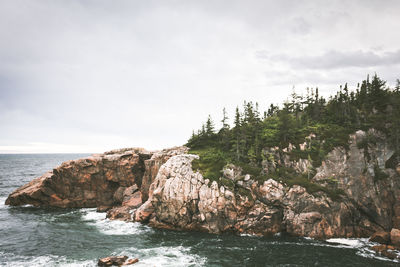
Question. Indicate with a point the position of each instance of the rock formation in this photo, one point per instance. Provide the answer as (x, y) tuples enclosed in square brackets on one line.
[(181, 199), (116, 261), (101, 180), (161, 188)]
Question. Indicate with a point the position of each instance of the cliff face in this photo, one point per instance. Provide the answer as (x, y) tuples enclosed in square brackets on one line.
[(162, 189), (181, 198), (361, 173), (99, 180)]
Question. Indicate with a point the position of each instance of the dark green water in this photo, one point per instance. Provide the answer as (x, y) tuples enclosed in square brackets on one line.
[(78, 237)]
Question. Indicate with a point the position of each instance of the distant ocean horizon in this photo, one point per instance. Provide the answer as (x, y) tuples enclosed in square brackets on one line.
[(31, 236)]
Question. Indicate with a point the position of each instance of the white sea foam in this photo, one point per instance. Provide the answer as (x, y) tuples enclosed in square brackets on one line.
[(366, 252), (165, 256), (2, 202), (248, 235), (349, 242), (333, 242), (362, 245), (92, 215), (112, 227), (158, 256)]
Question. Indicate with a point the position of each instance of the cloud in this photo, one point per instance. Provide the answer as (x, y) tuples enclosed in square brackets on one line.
[(300, 26), (336, 59), (99, 74)]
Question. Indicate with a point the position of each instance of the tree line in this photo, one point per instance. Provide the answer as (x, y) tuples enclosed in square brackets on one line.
[(372, 105)]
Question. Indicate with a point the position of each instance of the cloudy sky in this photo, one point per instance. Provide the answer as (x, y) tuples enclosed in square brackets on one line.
[(89, 76)]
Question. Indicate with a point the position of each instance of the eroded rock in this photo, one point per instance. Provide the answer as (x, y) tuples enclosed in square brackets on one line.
[(395, 237), (116, 261), (101, 180), (91, 182), (381, 237)]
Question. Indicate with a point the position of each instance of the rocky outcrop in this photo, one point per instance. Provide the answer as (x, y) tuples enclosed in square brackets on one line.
[(390, 243), (103, 180), (369, 202), (153, 164), (362, 175), (182, 199), (380, 237), (161, 188)]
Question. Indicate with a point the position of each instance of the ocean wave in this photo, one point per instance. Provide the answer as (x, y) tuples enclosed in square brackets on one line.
[(248, 235), (366, 252), (165, 256), (363, 246), (112, 227), (349, 242), (92, 215)]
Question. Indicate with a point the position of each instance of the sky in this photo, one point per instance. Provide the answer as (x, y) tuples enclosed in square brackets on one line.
[(90, 76)]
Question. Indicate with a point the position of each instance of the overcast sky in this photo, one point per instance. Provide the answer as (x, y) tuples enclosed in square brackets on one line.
[(89, 76)]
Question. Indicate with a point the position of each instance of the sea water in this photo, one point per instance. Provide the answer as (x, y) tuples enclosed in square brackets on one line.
[(31, 236)]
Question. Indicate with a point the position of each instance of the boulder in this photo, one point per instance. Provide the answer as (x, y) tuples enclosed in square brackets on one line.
[(116, 261), (395, 237), (103, 208), (122, 213), (386, 251), (112, 261), (381, 237)]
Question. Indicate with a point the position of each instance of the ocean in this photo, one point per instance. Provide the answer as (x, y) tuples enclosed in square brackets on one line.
[(32, 236)]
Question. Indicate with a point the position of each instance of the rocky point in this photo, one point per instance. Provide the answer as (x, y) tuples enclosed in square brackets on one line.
[(160, 188)]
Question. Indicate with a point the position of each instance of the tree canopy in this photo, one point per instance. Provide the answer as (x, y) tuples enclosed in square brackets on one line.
[(372, 105)]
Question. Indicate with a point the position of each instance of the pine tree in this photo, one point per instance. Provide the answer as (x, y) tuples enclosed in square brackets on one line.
[(209, 126), (397, 88), (236, 133), (225, 124)]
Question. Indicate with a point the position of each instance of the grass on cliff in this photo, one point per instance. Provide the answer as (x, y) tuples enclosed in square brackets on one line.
[(212, 162), (328, 136), (290, 177)]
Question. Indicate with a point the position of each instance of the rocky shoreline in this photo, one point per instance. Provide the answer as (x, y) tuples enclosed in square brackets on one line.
[(161, 189)]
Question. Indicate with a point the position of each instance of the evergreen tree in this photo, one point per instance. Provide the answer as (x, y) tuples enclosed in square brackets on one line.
[(225, 124), (209, 126), (237, 134), (371, 105)]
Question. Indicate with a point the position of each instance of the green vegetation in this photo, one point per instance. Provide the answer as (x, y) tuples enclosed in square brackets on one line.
[(325, 124)]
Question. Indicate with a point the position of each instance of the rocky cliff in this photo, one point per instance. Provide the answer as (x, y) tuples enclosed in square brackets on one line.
[(101, 180), (161, 188)]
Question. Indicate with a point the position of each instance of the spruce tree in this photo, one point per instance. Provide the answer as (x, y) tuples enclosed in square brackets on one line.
[(209, 126)]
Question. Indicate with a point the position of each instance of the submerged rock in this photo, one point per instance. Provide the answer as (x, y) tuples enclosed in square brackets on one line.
[(116, 261)]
